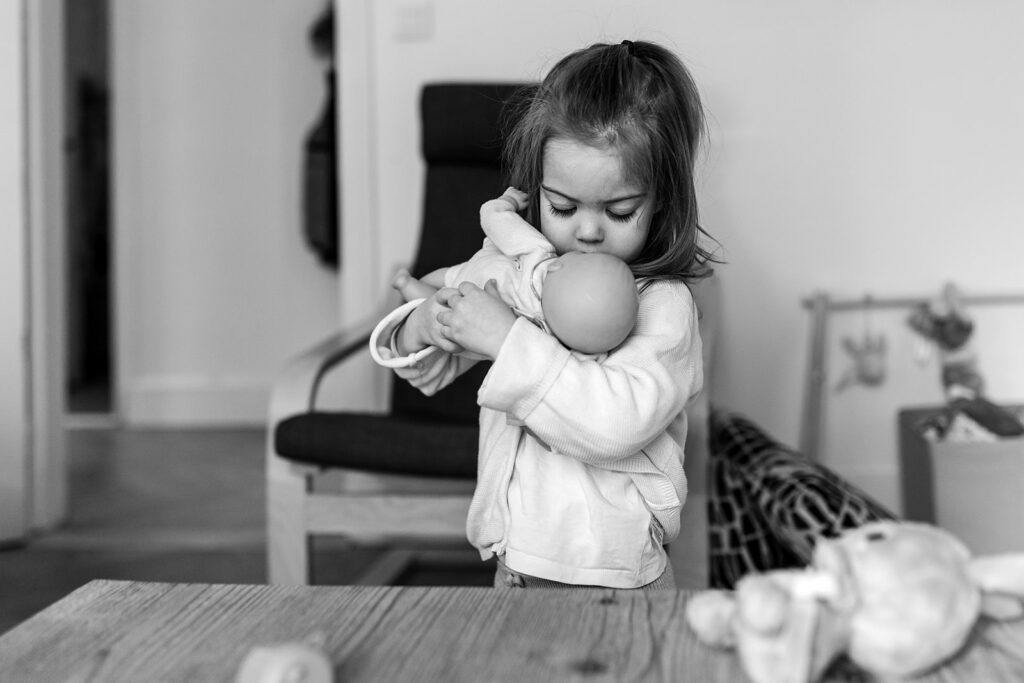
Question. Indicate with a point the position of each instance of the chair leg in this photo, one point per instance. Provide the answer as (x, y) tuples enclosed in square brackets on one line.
[(288, 544)]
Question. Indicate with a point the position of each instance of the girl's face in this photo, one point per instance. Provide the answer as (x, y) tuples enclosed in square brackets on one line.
[(586, 203)]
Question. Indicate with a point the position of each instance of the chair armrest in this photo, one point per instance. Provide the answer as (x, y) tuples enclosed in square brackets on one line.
[(296, 387)]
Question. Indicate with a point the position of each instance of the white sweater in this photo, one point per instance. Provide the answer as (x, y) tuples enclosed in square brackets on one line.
[(580, 474)]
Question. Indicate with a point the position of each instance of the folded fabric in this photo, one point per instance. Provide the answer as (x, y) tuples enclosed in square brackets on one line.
[(768, 504)]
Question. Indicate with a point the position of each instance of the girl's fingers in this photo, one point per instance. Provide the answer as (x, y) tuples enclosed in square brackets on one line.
[(444, 296), (446, 344), (466, 287)]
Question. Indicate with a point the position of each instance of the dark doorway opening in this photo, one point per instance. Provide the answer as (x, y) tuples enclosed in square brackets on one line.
[(87, 98)]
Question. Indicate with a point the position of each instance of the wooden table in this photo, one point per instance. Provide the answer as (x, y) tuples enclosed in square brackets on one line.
[(128, 631)]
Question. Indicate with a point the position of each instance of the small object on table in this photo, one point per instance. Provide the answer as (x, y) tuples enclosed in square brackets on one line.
[(898, 598), (294, 662)]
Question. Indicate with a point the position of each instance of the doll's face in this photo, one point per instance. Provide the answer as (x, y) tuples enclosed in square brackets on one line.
[(587, 204)]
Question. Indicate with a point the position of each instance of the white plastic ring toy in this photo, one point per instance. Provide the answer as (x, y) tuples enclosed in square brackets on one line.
[(399, 313)]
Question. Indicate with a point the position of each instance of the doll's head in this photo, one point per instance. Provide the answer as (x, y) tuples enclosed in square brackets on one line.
[(590, 301)]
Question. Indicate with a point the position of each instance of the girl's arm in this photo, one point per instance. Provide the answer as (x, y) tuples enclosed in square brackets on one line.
[(601, 412), (403, 333)]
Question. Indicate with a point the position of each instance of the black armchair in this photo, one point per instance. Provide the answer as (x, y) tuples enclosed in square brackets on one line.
[(408, 473)]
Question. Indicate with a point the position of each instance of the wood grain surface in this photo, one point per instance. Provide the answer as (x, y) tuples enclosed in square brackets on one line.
[(131, 631)]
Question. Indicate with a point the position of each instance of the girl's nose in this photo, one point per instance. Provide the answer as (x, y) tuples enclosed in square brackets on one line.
[(589, 229)]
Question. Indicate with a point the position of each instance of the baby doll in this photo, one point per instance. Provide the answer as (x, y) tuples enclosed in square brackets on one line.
[(898, 598), (588, 301)]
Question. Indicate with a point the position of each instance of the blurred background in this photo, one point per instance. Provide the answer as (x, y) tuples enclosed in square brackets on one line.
[(156, 153)]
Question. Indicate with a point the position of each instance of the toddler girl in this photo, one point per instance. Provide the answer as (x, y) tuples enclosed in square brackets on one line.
[(580, 472)]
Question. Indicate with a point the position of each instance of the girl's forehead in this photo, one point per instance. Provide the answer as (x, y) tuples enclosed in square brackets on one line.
[(588, 170)]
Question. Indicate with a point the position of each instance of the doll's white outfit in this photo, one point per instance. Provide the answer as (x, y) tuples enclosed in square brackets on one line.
[(514, 254), (580, 473)]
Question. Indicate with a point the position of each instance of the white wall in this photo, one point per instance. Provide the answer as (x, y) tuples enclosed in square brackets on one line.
[(13, 277), (215, 285), (857, 146)]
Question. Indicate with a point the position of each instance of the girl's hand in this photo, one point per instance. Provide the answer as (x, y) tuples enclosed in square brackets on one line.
[(475, 319), (422, 329)]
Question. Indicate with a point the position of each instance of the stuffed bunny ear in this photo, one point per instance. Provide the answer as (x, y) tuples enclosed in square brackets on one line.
[(1001, 580)]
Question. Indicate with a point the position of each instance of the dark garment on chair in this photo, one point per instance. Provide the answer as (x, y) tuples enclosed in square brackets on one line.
[(768, 504)]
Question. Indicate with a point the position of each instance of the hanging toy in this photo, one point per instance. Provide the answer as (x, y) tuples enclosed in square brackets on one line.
[(945, 323), (868, 365), (868, 362)]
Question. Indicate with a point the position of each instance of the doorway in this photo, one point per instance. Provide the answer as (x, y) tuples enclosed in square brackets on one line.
[(88, 320)]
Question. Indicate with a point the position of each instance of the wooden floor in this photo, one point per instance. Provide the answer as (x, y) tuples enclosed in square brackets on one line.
[(178, 506)]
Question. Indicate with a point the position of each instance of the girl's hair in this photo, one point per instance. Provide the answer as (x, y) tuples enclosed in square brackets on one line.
[(638, 98)]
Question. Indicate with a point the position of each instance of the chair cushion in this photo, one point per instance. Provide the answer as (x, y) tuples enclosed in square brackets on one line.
[(768, 505), (379, 443)]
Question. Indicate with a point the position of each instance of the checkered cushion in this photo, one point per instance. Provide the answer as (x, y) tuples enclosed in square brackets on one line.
[(767, 504)]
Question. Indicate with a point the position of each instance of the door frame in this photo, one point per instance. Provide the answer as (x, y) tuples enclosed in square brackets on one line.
[(45, 159)]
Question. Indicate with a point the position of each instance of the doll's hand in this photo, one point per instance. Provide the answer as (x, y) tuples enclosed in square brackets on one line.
[(511, 201), (475, 319), (517, 198)]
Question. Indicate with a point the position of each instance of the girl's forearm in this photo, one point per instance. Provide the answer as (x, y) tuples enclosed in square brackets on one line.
[(406, 339)]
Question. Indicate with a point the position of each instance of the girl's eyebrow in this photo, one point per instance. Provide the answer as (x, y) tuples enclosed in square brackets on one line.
[(616, 200)]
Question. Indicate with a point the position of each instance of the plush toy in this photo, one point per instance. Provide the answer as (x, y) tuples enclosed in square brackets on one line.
[(898, 598), (590, 301)]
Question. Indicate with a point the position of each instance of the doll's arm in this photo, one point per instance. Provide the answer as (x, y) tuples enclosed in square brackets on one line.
[(502, 223)]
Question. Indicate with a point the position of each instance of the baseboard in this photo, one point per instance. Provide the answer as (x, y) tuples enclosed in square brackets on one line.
[(180, 401)]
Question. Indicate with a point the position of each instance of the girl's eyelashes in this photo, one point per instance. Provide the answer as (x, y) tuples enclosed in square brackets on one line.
[(569, 211)]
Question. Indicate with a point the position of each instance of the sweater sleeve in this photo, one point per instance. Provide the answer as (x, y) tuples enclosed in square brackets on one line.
[(603, 410)]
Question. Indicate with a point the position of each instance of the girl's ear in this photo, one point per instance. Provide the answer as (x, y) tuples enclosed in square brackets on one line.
[(1001, 580)]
